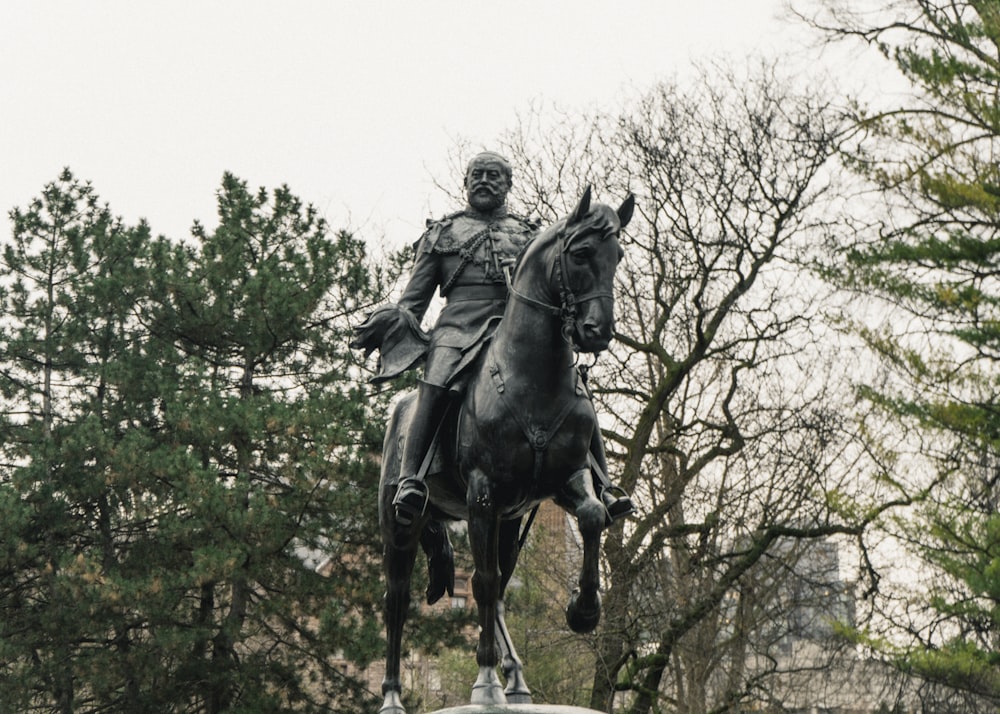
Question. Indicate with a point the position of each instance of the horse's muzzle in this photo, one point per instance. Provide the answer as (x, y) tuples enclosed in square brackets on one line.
[(594, 335)]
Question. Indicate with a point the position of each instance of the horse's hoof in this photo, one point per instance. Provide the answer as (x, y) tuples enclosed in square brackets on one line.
[(517, 697), (517, 691), (583, 612), (487, 690), (392, 704)]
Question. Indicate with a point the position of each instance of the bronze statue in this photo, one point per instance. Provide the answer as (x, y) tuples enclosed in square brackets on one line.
[(464, 255), (524, 429)]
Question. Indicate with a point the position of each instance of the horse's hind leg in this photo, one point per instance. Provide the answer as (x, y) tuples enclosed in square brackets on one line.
[(484, 540), (516, 690), (399, 551), (398, 562), (584, 610)]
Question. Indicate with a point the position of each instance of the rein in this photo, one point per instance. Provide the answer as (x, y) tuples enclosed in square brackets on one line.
[(568, 302)]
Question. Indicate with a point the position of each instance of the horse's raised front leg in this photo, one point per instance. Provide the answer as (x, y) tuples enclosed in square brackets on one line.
[(397, 558), (517, 691), (484, 537), (584, 610)]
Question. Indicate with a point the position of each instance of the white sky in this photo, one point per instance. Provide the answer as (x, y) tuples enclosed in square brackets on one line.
[(355, 105)]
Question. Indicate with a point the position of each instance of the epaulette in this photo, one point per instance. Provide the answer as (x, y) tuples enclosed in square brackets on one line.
[(447, 219), (532, 223), (435, 226)]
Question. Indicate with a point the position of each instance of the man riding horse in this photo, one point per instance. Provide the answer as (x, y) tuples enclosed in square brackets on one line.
[(465, 256)]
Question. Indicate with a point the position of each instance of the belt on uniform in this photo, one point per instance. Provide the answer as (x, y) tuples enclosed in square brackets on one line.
[(459, 293)]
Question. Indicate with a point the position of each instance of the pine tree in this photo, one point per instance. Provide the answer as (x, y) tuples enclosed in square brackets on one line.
[(70, 334), (934, 256), (267, 409), (185, 437)]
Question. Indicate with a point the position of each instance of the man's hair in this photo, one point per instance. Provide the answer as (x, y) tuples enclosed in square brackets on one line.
[(493, 157)]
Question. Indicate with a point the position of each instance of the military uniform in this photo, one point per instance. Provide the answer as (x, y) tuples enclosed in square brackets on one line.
[(464, 255)]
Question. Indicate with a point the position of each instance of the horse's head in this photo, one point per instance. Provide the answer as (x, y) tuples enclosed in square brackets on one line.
[(582, 253)]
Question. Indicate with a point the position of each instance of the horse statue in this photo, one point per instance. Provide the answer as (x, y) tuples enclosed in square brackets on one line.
[(521, 434)]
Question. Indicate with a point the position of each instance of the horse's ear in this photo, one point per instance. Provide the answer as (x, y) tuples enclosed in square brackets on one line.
[(582, 209), (625, 210)]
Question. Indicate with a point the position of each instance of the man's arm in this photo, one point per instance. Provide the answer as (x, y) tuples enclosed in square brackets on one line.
[(427, 273), (424, 280), (394, 329)]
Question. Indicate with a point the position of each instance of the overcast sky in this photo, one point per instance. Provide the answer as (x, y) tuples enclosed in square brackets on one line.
[(355, 105)]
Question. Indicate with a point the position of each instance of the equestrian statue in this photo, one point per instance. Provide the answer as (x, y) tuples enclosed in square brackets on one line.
[(502, 418)]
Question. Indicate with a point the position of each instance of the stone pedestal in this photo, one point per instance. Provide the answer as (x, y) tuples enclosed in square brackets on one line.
[(515, 709)]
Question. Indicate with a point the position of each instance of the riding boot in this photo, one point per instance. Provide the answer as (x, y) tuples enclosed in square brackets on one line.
[(616, 500), (429, 409)]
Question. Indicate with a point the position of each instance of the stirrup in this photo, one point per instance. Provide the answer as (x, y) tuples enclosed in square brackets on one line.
[(617, 502), (410, 501)]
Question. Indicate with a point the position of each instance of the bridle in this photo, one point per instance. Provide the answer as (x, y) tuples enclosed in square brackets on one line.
[(569, 303)]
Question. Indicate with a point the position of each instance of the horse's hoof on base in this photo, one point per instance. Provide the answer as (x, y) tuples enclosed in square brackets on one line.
[(516, 691), (517, 697), (392, 704), (583, 612), (487, 689)]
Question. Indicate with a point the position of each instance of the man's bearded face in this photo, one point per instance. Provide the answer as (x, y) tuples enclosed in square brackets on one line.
[(486, 185)]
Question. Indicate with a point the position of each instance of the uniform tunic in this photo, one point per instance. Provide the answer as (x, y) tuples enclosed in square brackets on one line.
[(463, 255)]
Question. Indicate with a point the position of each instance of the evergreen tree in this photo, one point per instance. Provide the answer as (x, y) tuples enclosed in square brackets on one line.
[(934, 256), (69, 334), (184, 440), (274, 426)]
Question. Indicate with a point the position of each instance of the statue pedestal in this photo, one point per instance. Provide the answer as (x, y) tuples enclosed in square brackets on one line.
[(515, 709)]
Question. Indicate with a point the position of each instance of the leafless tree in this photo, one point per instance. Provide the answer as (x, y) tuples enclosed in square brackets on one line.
[(723, 409)]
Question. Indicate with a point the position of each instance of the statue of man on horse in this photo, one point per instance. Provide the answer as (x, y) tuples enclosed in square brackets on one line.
[(465, 255), (523, 428)]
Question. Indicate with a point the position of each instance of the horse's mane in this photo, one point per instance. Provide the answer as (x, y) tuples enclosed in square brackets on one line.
[(601, 219)]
